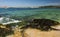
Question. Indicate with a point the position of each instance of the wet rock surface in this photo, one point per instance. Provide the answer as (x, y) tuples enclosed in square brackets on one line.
[(42, 24)]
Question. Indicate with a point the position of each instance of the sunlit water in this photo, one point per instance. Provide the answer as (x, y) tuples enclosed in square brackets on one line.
[(48, 13)]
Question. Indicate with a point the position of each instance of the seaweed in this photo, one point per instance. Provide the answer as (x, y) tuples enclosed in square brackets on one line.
[(5, 31), (42, 24)]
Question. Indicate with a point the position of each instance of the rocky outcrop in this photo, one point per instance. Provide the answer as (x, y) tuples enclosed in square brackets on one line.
[(42, 24)]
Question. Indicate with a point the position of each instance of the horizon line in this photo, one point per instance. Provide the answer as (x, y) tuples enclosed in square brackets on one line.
[(25, 6)]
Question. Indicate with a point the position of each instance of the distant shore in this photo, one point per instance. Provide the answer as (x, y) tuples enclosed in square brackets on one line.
[(35, 7)]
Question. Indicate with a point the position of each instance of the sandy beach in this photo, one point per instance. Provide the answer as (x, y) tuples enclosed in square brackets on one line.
[(38, 33)]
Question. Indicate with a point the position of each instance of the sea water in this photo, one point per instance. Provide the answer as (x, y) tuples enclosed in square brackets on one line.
[(47, 13)]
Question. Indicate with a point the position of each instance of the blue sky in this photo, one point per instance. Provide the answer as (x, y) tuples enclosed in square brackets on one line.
[(28, 3)]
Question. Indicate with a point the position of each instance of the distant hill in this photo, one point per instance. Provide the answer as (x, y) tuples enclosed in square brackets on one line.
[(49, 7)]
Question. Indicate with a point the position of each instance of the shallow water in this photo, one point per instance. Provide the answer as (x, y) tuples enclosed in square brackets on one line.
[(49, 13)]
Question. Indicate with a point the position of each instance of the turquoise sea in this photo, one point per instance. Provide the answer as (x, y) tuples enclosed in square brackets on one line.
[(24, 13)]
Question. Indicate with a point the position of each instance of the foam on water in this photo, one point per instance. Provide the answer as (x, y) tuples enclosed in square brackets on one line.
[(4, 20)]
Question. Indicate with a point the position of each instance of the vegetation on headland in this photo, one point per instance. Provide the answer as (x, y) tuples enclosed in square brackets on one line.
[(49, 7)]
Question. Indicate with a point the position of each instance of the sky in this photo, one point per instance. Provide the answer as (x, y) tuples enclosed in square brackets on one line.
[(28, 3)]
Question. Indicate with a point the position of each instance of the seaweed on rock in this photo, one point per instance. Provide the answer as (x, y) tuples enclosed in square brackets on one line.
[(42, 24), (5, 31)]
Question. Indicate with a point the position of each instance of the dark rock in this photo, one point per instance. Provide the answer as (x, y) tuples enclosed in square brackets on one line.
[(42, 24)]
